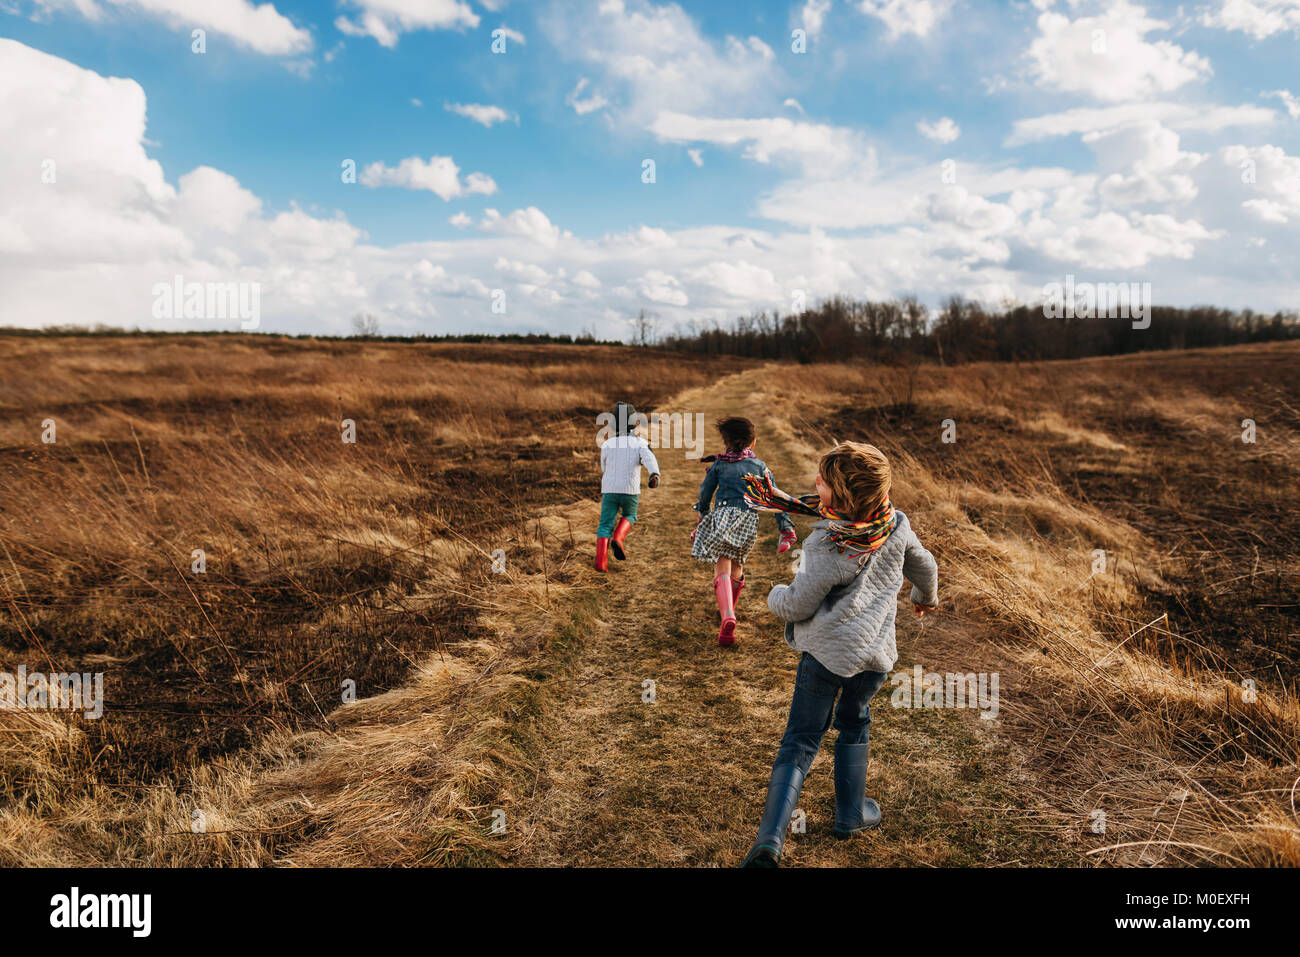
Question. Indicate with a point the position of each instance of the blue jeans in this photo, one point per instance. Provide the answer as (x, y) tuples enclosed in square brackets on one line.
[(611, 503), (815, 689)]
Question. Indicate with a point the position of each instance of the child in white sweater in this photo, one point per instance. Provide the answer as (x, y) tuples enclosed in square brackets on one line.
[(839, 612), (621, 457)]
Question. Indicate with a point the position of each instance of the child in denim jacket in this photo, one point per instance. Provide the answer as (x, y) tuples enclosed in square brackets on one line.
[(728, 531)]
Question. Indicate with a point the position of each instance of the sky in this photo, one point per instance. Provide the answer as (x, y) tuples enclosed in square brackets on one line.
[(455, 166)]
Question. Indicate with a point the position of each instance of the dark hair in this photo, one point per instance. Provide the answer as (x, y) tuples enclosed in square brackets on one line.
[(624, 414), (737, 432)]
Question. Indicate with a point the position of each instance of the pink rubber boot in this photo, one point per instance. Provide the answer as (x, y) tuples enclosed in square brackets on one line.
[(722, 591), (736, 586)]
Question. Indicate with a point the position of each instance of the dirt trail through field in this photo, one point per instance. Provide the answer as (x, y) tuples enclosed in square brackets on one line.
[(680, 780)]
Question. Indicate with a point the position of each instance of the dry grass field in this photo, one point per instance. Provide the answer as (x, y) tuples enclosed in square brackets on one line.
[(499, 716)]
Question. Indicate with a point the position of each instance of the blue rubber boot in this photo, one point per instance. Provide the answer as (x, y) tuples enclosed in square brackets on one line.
[(854, 811), (782, 796)]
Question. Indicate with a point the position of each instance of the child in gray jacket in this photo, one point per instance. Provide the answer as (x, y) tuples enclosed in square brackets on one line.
[(839, 612)]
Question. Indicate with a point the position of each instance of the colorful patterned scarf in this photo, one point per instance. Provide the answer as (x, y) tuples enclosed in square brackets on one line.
[(730, 456), (857, 538)]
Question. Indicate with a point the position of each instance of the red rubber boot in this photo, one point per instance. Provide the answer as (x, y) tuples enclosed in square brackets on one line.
[(736, 586), (620, 536), (722, 591), (602, 554)]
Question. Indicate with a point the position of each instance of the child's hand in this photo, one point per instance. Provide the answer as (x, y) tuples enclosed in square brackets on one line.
[(787, 540), (698, 519), (654, 480), (922, 609)]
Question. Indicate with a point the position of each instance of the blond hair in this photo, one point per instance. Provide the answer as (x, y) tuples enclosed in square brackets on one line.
[(858, 476)]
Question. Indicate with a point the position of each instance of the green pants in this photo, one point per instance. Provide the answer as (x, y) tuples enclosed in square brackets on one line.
[(611, 503)]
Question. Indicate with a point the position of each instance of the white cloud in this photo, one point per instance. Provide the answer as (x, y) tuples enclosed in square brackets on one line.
[(650, 59), (740, 281), (89, 247), (941, 131), (827, 148), (1289, 100), (479, 112), (696, 157), (900, 17), (1276, 180), (260, 28), (1143, 164), (439, 175), (514, 36), (658, 286), (1259, 18), (589, 105), (812, 17), (1112, 241), (387, 20), (1206, 118), (530, 223), (1108, 56), (523, 272)]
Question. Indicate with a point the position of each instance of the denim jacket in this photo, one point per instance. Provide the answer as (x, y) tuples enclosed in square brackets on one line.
[(725, 484)]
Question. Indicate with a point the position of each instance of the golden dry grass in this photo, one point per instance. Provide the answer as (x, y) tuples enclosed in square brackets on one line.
[(326, 562), (521, 693)]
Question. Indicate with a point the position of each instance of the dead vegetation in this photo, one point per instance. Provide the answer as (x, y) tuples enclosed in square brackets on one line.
[(325, 562), (225, 742), (1104, 521)]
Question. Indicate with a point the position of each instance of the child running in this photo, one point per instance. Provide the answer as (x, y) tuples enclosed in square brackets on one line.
[(728, 531), (621, 458), (839, 612)]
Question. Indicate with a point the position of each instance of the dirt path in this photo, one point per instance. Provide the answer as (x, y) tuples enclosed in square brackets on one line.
[(680, 780)]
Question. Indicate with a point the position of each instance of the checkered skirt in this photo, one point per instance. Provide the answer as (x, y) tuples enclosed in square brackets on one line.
[(726, 532)]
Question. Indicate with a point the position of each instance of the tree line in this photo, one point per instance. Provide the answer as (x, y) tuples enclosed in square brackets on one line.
[(966, 331)]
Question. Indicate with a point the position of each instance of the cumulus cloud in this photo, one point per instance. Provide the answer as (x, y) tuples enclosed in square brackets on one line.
[(478, 112), (649, 59), (943, 130), (1289, 100), (260, 28), (530, 223), (387, 20), (88, 247), (583, 106), (1143, 164), (900, 17), (1109, 57), (825, 147), (1258, 18), (811, 17), (514, 36), (1206, 118), (438, 174), (1272, 176)]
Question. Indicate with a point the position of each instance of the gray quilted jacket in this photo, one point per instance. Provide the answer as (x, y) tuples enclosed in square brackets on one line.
[(842, 611)]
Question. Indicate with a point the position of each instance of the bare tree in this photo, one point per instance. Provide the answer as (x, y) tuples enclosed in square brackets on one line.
[(365, 326), (643, 328)]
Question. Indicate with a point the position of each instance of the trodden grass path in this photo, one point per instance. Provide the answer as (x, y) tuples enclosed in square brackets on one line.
[(680, 781)]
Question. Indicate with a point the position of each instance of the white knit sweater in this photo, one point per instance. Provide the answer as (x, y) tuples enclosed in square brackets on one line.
[(621, 458), (844, 617)]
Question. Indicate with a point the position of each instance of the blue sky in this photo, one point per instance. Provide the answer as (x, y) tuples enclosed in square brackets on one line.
[(1110, 140)]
